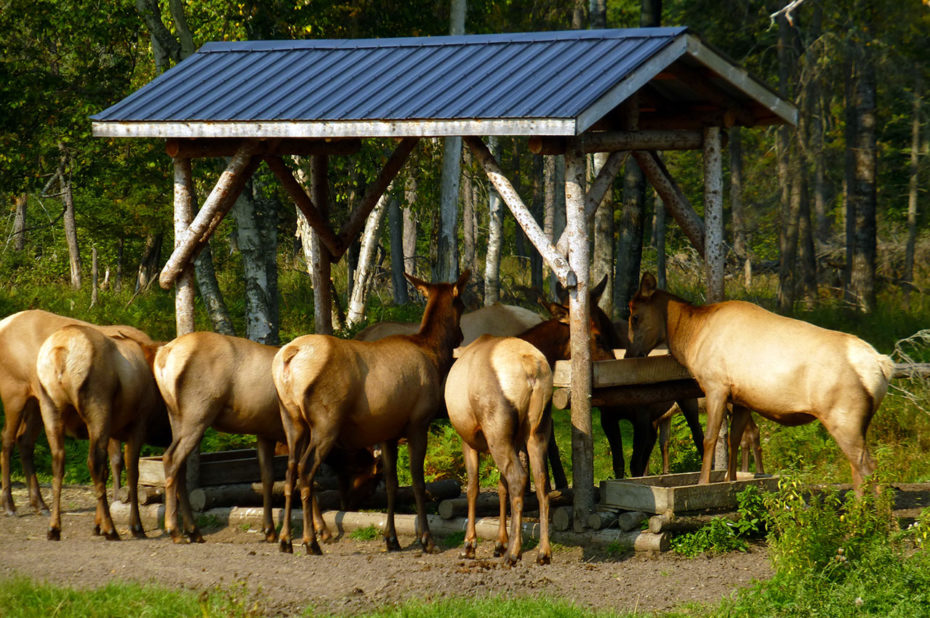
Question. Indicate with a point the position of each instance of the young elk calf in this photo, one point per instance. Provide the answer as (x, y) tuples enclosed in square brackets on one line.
[(497, 395), (787, 370), (105, 383), (361, 393)]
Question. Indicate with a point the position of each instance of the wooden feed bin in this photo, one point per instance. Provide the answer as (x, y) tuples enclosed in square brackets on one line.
[(671, 494), (219, 468)]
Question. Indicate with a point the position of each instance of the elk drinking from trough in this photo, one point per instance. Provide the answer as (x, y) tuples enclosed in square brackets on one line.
[(786, 370), (361, 393), (21, 336), (224, 382), (497, 395), (106, 384)]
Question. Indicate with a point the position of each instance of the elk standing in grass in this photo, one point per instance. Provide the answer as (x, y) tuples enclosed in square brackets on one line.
[(21, 336), (106, 384), (787, 370), (361, 393), (497, 395)]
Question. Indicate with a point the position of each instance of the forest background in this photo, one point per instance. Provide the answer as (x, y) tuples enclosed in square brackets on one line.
[(826, 221)]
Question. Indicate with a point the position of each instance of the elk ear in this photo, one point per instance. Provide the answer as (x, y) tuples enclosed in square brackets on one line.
[(419, 284), (647, 286), (597, 290), (460, 284), (559, 312)]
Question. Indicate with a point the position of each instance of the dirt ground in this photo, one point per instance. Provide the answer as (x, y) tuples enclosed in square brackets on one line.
[(357, 576)]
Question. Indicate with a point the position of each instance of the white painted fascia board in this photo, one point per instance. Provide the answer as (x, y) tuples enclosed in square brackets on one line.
[(740, 79), (631, 84), (334, 129)]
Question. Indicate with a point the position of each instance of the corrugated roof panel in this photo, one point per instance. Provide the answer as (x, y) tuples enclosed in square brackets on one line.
[(552, 77)]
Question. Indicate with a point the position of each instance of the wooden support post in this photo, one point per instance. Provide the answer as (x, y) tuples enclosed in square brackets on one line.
[(221, 199), (714, 249), (675, 201), (375, 190), (558, 264), (320, 272), (580, 311), (317, 221), (597, 191), (183, 215)]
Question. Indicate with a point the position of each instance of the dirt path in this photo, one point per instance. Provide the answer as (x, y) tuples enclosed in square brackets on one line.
[(356, 576)]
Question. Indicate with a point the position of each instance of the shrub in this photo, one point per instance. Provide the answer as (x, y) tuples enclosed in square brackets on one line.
[(722, 534)]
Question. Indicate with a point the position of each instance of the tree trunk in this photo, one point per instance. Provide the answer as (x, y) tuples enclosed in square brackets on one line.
[(788, 206), (536, 208), (469, 222), (366, 259), (19, 223), (396, 230), (740, 240), (210, 292), (320, 267), (93, 276), (650, 15), (602, 258), (817, 113), (629, 239), (260, 324), (863, 191), (410, 225), (659, 234), (553, 208), (67, 197), (492, 260), (165, 47), (913, 183)]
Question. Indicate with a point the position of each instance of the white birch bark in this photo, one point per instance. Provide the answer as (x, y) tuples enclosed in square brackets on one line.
[(366, 258)]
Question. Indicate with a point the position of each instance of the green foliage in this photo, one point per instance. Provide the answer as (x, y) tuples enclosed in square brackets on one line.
[(722, 534), (369, 533), (491, 606)]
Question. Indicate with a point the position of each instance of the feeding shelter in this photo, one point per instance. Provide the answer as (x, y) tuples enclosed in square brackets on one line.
[(631, 91)]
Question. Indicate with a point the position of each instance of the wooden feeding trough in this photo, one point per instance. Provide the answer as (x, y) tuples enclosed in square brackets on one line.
[(219, 468), (675, 494)]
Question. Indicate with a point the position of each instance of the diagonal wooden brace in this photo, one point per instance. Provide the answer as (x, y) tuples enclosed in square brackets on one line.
[(220, 200), (505, 189), (373, 193), (316, 220), (676, 202)]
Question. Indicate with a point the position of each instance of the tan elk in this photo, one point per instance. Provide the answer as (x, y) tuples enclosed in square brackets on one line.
[(497, 319), (21, 336), (105, 384), (497, 394), (361, 393), (787, 370), (224, 382)]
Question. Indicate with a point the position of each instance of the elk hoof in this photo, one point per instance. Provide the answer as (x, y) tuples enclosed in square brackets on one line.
[(313, 548), (112, 535), (178, 538), (194, 536), (499, 550), (54, 534), (543, 559), (469, 552), (271, 535), (137, 532), (326, 536), (286, 547), (428, 545), (392, 543), (509, 559), (97, 531)]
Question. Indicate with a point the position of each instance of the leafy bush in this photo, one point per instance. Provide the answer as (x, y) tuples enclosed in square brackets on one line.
[(722, 534)]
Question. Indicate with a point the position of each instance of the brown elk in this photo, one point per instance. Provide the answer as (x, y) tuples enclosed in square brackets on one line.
[(21, 336), (789, 371), (497, 319), (497, 394), (105, 384), (361, 393), (750, 444), (224, 382)]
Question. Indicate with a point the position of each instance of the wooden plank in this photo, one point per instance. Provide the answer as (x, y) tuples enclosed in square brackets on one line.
[(625, 371), (612, 141), (633, 395)]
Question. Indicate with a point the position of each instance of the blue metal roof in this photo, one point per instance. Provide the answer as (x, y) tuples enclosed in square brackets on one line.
[(527, 83)]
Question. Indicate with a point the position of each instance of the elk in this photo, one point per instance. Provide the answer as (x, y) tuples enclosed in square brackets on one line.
[(361, 393), (787, 370), (497, 395), (21, 336), (213, 380), (105, 384), (497, 319)]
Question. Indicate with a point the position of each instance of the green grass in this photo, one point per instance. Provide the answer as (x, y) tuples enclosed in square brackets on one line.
[(493, 606)]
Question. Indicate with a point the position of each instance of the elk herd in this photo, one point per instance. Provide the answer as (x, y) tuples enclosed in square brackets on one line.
[(332, 399)]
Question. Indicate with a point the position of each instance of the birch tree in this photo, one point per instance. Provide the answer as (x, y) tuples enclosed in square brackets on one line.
[(366, 260)]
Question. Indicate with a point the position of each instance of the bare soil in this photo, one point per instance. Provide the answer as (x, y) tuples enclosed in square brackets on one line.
[(357, 576)]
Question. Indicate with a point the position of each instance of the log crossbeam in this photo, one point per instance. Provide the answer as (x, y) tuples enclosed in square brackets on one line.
[(303, 201), (675, 201)]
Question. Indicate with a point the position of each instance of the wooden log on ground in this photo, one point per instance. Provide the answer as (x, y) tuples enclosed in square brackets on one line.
[(488, 504), (600, 519), (671, 522), (631, 520), (147, 494), (562, 518)]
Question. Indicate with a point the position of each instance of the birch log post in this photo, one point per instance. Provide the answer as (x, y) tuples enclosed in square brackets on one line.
[(596, 192), (547, 250), (579, 259), (220, 200), (714, 249), (675, 201), (183, 214)]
